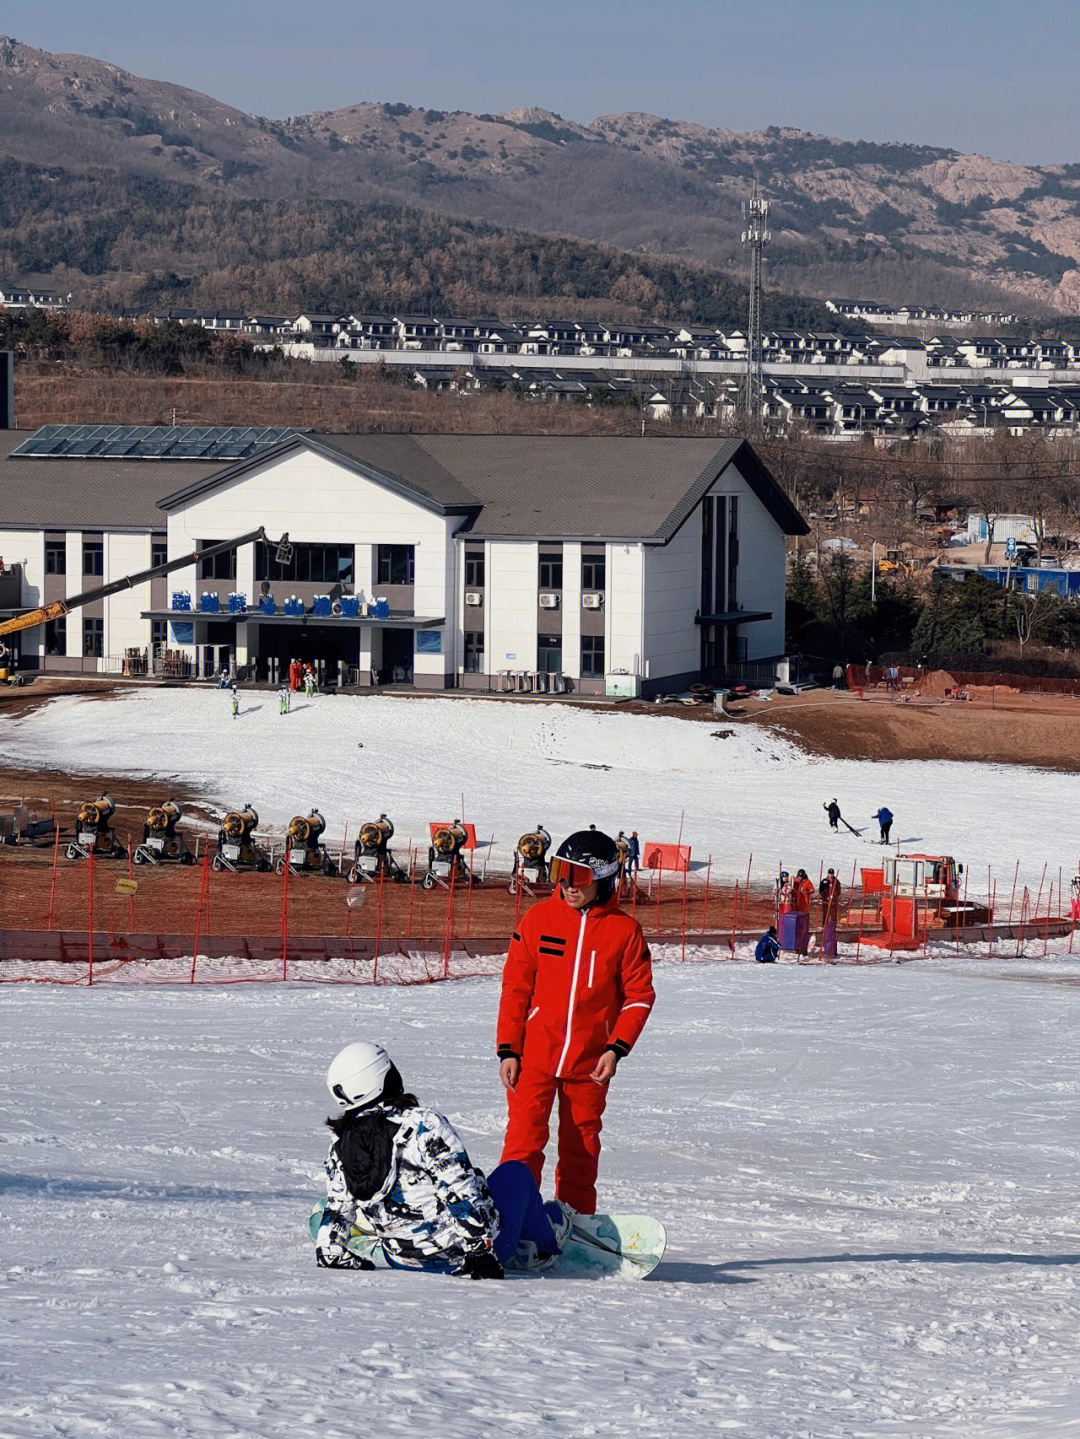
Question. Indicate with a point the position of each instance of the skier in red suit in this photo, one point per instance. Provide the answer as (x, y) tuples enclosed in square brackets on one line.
[(576, 992)]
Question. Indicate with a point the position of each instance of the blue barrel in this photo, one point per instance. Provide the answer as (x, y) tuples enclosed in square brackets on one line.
[(794, 932)]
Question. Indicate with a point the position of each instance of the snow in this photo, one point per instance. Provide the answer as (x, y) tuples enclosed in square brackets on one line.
[(868, 1177), (752, 793), (868, 1173)]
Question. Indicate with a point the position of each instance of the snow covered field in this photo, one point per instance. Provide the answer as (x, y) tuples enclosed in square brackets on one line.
[(520, 764), (869, 1178)]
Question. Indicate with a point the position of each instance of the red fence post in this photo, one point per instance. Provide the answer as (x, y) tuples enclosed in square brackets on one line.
[(1012, 897), (285, 912), (734, 909), (381, 881), (412, 888), (705, 900), (204, 890), (90, 915), (685, 873), (468, 902), (55, 863), (449, 929)]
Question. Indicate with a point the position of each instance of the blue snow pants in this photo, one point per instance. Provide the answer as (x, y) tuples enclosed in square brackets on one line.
[(521, 1211)]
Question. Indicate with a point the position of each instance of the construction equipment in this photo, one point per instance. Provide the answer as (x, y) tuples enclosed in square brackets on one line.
[(912, 894), (94, 834), (58, 608), (530, 854), (445, 860), (161, 844), (236, 842), (304, 849), (372, 855)]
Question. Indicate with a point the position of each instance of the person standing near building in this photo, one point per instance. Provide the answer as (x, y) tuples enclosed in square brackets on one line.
[(576, 993), (884, 818), (830, 892), (309, 680)]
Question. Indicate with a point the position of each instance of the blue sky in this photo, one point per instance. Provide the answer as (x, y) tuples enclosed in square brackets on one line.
[(980, 75)]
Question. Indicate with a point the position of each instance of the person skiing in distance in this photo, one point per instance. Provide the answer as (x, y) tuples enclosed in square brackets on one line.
[(884, 818), (309, 681), (284, 700), (235, 701), (576, 993), (400, 1172), (768, 947), (830, 892), (832, 809)]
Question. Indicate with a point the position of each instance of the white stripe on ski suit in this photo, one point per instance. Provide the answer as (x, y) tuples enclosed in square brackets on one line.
[(573, 996)]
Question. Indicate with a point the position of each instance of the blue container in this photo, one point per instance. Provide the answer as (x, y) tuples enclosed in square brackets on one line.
[(794, 932)]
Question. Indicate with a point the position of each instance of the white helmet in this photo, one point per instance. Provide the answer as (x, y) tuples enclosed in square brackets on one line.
[(356, 1076)]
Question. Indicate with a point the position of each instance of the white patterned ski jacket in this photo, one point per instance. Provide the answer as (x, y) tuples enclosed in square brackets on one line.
[(432, 1208)]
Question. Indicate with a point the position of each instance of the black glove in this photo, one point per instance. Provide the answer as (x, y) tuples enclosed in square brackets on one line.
[(481, 1264)]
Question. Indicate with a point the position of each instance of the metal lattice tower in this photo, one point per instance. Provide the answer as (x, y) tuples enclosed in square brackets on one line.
[(756, 236)]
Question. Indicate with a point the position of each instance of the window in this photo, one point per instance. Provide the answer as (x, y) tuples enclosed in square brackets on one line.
[(93, 557), (159, 632), (592, 655), (221, 566), (159, 550), (474, 652), (549, 653), (311, 564), (592, 572), (55, 557), (551, 570), (396, 565), (93, 637), (56, 636), (474, 569)]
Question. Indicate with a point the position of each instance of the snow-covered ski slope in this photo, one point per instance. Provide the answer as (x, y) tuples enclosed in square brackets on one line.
[(522, 764), (869, 1178)]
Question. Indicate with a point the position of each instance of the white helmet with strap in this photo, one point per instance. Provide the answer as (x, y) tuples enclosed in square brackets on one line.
[(356, 1076)]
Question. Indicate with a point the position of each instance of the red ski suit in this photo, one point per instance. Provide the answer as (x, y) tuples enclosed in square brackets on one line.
[(575, 983)]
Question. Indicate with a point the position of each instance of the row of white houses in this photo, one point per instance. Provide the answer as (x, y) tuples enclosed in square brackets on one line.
[(588, 564)]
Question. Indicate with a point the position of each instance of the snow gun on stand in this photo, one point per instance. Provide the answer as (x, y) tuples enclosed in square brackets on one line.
[(530, 854), (94, 834), (305, 850), (445, 857), (161, 844), (236, 842), (372, 854)]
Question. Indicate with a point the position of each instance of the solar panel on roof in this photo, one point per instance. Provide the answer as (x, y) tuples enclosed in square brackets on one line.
[(151, 442)]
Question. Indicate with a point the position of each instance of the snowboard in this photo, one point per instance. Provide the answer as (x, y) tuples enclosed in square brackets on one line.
[(598, 1245)]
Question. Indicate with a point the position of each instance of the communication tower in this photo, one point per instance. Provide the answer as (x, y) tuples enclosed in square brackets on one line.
[(756, 236)]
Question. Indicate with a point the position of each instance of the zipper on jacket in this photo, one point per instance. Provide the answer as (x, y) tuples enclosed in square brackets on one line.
[(592, 962), (573, 995)]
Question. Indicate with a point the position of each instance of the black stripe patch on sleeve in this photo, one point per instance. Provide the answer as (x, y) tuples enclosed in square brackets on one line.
[(516, 936), (553, 939), (555, 953)]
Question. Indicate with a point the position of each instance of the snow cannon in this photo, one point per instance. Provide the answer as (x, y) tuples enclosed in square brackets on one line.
[(530, 855), (94, 834), (161, 843), (236, 842), (372, 855), (304, 848), (445, 860)]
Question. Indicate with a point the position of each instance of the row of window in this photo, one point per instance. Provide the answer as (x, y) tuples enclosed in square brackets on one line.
[(329, 564), (93, 561), (549, 571), (549, 654)]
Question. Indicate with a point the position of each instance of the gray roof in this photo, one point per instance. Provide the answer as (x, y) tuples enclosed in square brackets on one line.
[(513, 486), (88, 494)]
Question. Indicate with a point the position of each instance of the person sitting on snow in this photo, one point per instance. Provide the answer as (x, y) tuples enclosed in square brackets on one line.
[(768, 947), (399, 1171)]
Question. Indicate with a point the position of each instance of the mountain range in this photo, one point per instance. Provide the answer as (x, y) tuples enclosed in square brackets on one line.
[(133, 189)]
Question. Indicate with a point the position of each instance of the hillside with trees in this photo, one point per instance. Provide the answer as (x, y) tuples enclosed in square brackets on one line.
[(890, 222)]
